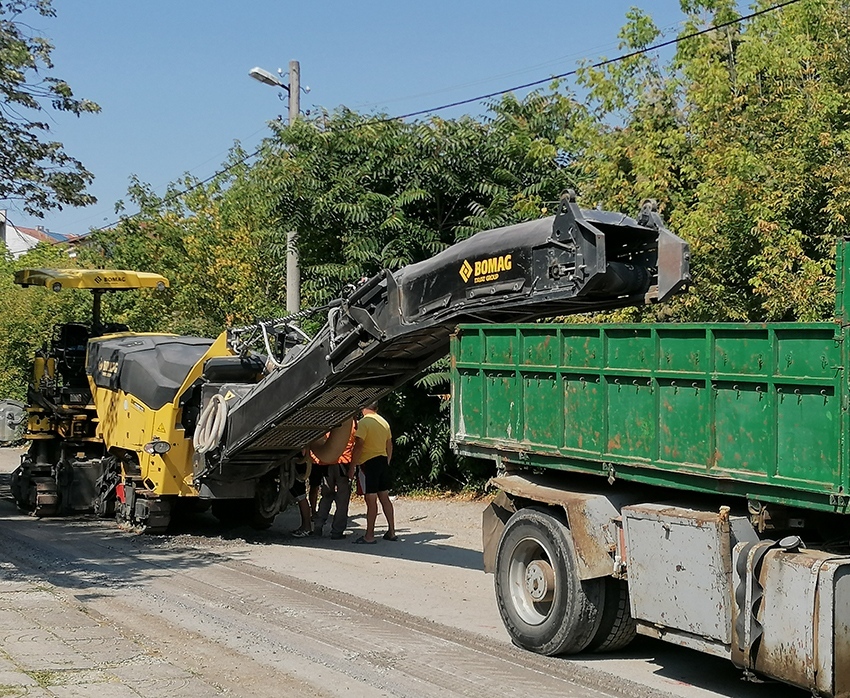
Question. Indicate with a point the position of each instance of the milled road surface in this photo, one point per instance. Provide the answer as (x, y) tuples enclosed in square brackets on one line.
[(89, 610)]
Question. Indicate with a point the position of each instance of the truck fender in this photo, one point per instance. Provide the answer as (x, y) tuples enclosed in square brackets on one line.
[(592, 518)]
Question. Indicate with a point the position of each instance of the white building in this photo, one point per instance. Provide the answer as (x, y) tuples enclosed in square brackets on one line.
[(19, 239)]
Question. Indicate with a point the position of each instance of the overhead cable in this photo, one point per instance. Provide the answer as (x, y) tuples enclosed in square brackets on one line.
[(489, 95)]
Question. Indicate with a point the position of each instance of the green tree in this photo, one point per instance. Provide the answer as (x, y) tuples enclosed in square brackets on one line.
[(769, 103), (35, 170), (742, 137), (366, 193), (205, 243), (29, 315)]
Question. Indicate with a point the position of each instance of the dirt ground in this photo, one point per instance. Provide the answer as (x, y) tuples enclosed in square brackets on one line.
[(216, 611)]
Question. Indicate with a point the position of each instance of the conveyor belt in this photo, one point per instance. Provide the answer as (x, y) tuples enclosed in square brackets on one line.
[(396, 324)]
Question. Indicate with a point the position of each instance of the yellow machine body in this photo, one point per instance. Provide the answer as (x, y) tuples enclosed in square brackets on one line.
[(87, 438), (125, 424)]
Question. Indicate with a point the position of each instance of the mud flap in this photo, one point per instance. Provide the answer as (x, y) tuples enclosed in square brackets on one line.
[(493, 520)]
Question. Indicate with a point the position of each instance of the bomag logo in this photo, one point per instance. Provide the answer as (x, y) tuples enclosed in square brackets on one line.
[(484, 270), (107, 368), (115, 279)]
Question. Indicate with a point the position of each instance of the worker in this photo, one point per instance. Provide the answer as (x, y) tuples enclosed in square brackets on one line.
[(373, 452), (336, 488), (317, 474), (299, 494)]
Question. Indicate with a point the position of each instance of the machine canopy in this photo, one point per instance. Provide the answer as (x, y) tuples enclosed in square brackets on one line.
[(91, 279)]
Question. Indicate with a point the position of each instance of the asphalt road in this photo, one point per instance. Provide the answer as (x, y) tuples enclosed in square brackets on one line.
[(89, 610)]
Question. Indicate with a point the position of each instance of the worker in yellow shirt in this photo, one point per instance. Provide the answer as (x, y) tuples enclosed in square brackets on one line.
[(373, 451)]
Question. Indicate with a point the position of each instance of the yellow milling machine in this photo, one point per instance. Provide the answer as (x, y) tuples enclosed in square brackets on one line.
[(138, 425), (83, 435)]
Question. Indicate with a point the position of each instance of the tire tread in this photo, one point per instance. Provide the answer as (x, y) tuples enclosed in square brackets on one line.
[(617, 628)]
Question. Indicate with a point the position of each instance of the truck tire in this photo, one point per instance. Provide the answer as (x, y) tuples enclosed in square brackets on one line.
[(617, 627), (544, 605), (268, 499)]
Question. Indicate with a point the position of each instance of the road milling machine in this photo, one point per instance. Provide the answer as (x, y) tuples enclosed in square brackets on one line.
[(135, 425)]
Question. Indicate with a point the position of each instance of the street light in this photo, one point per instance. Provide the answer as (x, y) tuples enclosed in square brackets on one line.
[(293, 267), (265, 77)]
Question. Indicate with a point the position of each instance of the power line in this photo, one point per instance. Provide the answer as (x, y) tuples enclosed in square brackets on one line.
[(490, 95), (189, 171), (520, 71), (600, 64)]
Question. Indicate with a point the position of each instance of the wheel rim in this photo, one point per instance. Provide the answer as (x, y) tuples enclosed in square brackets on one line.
[(532, 581)]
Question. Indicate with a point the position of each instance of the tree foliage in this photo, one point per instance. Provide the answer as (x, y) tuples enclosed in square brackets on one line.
[(206, 243), (742, 138), (366, 193), (35, 170)]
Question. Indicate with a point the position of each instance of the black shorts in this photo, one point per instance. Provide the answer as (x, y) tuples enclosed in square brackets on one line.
[(298, 490), (316, 475), (375, 475)]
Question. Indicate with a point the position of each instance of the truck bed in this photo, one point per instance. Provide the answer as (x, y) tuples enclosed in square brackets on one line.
[(758, 410)]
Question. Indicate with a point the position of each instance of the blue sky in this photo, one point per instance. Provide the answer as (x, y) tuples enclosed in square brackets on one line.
[(172, 75)]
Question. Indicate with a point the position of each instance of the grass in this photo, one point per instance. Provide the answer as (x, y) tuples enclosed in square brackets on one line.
[(470, 494), (46, 678)]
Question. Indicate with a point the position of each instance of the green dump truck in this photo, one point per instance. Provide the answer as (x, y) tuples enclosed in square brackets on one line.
[(688, 482)]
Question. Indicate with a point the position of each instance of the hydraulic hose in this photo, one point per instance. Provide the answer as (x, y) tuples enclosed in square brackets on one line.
[(210, 425)]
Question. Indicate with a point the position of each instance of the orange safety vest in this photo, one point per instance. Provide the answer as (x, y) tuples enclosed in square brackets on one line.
[(345, 458)]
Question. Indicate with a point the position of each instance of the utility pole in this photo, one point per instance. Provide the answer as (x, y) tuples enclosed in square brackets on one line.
[(293, 89), (293, 266)]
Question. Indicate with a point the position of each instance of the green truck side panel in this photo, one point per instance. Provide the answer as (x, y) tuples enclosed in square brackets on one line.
[(758, 410)]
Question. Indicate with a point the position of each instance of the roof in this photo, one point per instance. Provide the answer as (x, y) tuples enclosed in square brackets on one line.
[(20, 239), (44, 235), (105, 279)]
